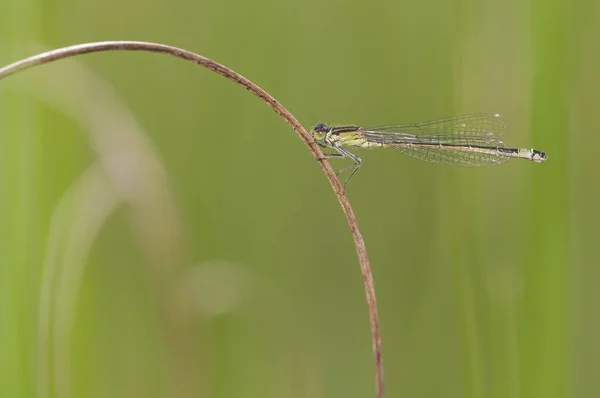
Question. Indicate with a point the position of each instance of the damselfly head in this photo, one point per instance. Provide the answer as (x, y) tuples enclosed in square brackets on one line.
[(319, 131)]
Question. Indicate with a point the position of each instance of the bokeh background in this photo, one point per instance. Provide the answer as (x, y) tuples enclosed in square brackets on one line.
[(165, 234)]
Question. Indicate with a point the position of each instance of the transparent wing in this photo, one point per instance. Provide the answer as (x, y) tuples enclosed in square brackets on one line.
[(452, 157), (447, 141), (485, 129)]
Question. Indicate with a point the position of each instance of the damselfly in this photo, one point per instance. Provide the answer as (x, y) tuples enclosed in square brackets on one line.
[(468, 141)]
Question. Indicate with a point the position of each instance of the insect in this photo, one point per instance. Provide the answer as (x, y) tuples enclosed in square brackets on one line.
[(469, 141)]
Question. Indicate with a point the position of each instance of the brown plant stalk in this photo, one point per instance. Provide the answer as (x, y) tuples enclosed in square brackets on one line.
[(71, 51)]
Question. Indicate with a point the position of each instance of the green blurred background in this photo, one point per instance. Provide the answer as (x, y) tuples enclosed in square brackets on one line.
[(165, 234)]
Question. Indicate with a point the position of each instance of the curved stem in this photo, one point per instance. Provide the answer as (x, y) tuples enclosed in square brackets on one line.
[(359, 243)]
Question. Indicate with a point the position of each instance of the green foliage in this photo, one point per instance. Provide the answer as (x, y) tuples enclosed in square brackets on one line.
[(165, 234)]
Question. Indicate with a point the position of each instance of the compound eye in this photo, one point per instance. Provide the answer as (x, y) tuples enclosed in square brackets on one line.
[(319, 131), (320, 127)]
